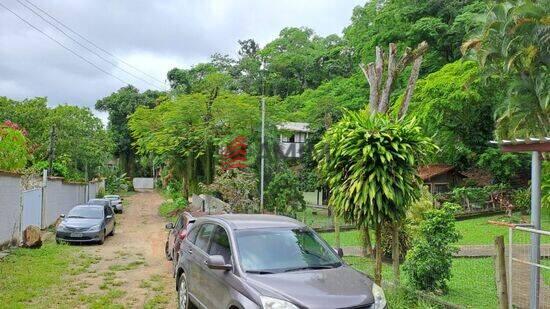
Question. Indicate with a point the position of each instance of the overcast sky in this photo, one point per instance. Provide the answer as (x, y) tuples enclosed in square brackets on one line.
[(154, 36)]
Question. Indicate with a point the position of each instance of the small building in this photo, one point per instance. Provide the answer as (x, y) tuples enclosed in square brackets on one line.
[(292, 138), (440, 178)]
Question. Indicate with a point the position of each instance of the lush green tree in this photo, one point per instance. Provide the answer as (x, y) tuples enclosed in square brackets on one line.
[(30, 114), (120, 105), (13, 149), (441, 23), (188, 130), (283, 194), (80, 139), (371, 169), (455, 106), (513, 45)]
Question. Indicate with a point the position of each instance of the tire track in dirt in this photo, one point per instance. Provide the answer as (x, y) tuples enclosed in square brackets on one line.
[(132, 261)]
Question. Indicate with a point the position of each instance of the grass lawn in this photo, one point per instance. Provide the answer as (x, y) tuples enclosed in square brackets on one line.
[(316, 218), (45, 278), (472, 284), (476, 231)]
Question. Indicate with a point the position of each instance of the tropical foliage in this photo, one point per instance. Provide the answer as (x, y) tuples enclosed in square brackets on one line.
[(13, 149), (283, 195), (514, 45)]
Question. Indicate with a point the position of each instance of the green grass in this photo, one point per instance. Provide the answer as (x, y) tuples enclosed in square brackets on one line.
[(545, 273), (476, 231), (472, 284), (27, 274)]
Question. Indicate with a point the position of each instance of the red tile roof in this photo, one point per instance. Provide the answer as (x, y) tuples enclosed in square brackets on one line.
[(429, 171)]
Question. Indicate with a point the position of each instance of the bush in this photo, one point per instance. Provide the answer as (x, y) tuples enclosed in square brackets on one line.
[(283, 194), (115, 181), (172, 208), (428, 262), (521, 199), (236, 187), (387, 239), (502, 165)]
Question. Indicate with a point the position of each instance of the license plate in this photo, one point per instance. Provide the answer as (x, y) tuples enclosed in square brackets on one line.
[(76, 234)]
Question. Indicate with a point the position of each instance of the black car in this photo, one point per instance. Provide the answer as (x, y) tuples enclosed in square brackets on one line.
[(86, 223)]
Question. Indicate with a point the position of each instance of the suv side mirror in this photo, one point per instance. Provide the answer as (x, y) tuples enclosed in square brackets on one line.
[(169, 226), (62, 215), (217, 262), (339, 251)]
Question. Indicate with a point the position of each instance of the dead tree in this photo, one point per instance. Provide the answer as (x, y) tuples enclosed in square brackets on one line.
[(379, 102)]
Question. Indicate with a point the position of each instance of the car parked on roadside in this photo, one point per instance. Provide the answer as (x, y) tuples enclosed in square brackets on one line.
[(86, 223), (100, 201), (176, 234), (116, 202), (266, 261)]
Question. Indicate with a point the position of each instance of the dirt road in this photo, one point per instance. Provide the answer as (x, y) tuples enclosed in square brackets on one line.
[(131, 264)]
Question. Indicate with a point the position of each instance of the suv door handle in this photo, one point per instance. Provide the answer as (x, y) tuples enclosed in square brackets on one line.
[(190, 251)]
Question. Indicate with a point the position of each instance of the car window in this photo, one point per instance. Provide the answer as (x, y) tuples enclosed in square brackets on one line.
[(220, 244), (179, 223), (192, 233), (204, 236)]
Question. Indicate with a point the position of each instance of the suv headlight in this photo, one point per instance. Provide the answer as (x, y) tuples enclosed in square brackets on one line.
[(96, 227), (274, 303), (379, 297)]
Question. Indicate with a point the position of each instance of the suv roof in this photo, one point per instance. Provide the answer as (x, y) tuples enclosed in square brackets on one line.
[(244, 221)]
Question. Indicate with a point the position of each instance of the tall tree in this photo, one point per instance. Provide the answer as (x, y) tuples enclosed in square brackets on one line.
[(120, 105)]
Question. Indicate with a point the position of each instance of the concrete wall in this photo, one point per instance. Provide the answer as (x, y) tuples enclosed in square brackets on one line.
[(10, 208), (59, 197)]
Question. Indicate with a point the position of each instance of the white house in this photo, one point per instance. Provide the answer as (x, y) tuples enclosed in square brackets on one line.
[(292, 138)]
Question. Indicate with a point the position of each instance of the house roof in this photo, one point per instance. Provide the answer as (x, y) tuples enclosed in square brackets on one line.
[(294, 126), (541, 144), (428, 171)]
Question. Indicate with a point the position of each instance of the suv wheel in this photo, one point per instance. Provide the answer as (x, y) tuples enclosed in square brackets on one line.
[(102, 238), (183, 295)]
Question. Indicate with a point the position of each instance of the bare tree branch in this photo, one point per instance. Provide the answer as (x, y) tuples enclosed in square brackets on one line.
[(392, 69), (371, 78), (410, 88)]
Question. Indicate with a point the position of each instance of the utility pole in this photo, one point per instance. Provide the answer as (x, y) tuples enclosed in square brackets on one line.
[(262, 158), (51, 151)]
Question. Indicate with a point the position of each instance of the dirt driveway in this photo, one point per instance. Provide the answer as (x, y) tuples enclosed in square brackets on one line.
[(132, 262)]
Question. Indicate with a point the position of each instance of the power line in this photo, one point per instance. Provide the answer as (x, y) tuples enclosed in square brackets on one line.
[(63, 46), (87, 48), (94, 44)]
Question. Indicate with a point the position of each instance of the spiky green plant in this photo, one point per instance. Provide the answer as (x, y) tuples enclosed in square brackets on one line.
[(372, 168)]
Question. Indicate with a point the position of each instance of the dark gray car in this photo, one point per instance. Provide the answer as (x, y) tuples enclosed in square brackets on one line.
[(265, 261), (86, 223)]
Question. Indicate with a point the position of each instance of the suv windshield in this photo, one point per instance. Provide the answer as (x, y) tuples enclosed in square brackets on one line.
[(86, 212), (281, 250)]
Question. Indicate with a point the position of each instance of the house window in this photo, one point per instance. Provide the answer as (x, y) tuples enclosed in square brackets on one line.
[(441, 188)]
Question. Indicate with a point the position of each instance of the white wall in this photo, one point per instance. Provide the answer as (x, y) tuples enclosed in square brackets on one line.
[(10, 207)]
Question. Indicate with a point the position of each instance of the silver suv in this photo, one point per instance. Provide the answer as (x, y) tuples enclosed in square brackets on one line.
[(265, 262)]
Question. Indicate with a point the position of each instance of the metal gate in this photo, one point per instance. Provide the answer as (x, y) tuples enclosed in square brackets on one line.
[(32, 208)]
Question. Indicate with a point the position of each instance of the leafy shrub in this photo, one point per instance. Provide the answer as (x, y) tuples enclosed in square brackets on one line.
[(58, 168), (428, 262), (236, 187), (174, 188), (283, 194), (173, 207), (115, 181), (13, 148), (521, 199), (100, 193), (502, 165)]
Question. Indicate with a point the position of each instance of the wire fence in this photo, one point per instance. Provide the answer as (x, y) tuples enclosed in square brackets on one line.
[(528, 267)]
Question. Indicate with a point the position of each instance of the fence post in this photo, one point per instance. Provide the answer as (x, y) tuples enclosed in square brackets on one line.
[(510, 264), (500, 272)]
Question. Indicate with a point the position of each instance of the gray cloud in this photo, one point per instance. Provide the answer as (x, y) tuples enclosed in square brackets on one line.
[(154, 36)]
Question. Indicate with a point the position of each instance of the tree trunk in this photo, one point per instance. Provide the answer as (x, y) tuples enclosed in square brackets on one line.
[(336, 230), (366, 243), (410, 88), (208, 169), (188, 174), (378, 252), (396, 251)]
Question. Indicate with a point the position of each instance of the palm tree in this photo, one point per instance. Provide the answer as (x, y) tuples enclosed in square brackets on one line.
[(513, 45)]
